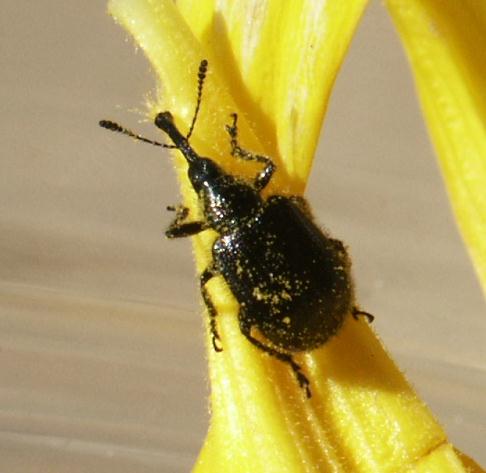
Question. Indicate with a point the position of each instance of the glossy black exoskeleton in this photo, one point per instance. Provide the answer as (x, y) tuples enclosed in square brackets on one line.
[(291, 280)]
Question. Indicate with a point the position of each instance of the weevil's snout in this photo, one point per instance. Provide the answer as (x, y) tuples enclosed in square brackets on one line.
[(164, 121)]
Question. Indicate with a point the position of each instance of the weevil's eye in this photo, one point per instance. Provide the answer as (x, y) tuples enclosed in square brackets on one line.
[(203, 171)]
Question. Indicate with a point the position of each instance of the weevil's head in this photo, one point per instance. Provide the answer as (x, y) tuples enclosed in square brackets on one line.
[(224, 198), (202, 172), (205, 175)]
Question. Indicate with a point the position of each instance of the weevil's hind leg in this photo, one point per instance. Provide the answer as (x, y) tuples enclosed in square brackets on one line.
[(357, 314), (302, 379), (209, 273), (262, 178), (179, 228)]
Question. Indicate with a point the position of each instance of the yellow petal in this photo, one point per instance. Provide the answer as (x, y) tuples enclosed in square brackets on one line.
[(274, 63), (280, 60), (444, 460), (445, 43)]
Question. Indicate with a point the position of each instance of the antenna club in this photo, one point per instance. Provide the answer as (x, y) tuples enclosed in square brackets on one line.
[(109, 125), (203, 68)]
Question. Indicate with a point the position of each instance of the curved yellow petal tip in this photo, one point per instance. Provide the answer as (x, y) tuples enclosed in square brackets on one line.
[(444, 41), (274, 63)]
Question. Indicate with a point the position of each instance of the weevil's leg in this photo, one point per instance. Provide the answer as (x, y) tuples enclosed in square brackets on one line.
[(262, 178), (338, 245), (302, 379), (179, 228), (356, 313), (341, 249), (185, 229), (181, 212), (209, 273)]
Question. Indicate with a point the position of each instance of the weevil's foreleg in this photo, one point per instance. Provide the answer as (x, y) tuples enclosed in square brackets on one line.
[(209, 273), (302, 379), (179, 228), (356, 313), (262, 178), (181, 213)]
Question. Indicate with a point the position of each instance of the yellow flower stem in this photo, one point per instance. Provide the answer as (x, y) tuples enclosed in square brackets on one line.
[(274, 63)]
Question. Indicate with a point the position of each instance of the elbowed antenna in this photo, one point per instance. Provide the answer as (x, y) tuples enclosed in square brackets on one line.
[(113, 126), (165, 122), (201, 76)]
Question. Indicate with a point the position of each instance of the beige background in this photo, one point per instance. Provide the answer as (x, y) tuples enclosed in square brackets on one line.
[(102, 364)]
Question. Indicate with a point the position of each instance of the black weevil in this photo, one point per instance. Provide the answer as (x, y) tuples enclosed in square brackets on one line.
[(292, 281)]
